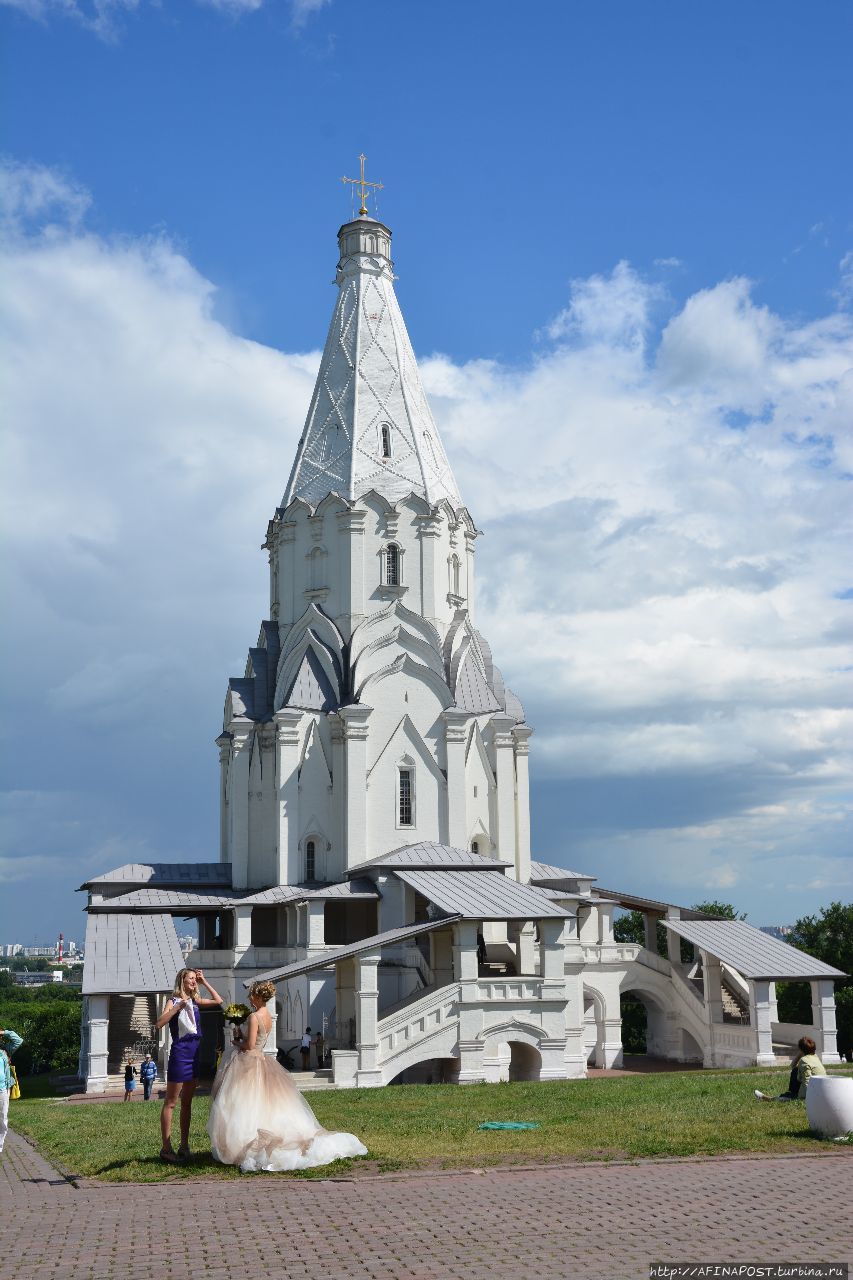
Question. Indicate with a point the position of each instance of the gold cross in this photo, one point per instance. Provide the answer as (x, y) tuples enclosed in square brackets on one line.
[(363, 185)]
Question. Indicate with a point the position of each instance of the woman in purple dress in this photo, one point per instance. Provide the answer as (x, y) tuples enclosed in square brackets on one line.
[(183, 1015)]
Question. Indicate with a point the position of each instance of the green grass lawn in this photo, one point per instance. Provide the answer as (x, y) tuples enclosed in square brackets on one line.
[(435, 1126)]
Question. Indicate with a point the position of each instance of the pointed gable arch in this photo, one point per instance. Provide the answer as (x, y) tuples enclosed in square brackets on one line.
[(311, 688), (313, 760), (476, 748), (311, 663), (404, 662), (405, 742)]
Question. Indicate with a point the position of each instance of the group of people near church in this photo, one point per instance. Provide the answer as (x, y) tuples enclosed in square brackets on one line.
[(258, 1118)]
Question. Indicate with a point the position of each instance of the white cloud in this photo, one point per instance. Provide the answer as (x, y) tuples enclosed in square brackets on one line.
[(32, 193), (667, 536), (613, 310), (102, 16)]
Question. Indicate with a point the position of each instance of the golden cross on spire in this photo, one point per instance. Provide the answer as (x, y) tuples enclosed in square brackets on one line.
[(363, 186)]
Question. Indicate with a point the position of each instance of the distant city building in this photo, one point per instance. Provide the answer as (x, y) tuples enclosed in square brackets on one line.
[(779, 931), (9, 949), (49, 951)]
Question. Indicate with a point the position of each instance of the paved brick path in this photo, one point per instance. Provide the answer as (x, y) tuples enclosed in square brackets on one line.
[(595, 1222)]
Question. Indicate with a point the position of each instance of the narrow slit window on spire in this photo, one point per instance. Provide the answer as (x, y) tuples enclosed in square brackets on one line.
[(385, 435), (310, 860), (406, 807)]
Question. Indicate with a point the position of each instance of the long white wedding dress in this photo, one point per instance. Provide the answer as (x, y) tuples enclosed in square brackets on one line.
[(260, 1121)]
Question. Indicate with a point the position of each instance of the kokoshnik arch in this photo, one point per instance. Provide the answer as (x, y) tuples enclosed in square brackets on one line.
[(374, 850)]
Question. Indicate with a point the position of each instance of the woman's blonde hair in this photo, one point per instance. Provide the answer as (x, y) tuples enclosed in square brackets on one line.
[(180, 979), (262, 991)]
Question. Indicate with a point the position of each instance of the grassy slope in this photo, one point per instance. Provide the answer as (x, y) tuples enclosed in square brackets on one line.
[(657, 1115)]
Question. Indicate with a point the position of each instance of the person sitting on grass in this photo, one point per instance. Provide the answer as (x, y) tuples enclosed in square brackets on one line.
[(805, 1065), (9, 1042)]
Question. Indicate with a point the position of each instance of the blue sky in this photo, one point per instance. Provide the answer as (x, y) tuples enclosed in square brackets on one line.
[(622, 234)]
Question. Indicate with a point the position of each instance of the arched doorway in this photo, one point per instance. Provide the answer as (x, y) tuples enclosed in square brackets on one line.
[(525, 1062), (643, 1023)]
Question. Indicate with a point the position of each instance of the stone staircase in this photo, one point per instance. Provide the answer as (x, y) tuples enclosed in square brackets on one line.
[(735, 1006), (306, 1081)]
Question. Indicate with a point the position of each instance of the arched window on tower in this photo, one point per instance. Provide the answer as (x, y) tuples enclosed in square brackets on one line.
[(453, 574), (405, 795), (475, 846), (310, 860), (391, 565), (316, 568), (385, 434)]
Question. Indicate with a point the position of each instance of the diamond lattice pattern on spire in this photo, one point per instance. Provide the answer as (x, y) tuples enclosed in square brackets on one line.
[(368, 381)]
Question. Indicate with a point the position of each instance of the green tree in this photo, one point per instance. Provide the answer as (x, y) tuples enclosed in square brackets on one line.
[(723, 909), (827, 937)]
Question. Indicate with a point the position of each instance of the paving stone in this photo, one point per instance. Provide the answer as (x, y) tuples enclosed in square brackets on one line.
[(590, 1221)]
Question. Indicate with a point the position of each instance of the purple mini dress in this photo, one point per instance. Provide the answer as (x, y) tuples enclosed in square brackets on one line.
[(183, 1055)]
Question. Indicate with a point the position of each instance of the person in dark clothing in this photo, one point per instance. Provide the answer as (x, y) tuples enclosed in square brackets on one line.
[(129, 1082)]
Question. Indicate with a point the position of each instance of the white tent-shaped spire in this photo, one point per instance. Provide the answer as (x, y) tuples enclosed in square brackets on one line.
[(369, 425)]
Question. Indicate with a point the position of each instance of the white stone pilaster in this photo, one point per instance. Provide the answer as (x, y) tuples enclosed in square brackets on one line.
[(242, 932), (759, 1016), (823, 1018), (316, 913), (605, 922), (352, 569), (95, 1066), (441, 956), (223, 742), (355, 728), (525, 947), (429, 530), (456, 723), (367, 1020), (712, 989), (238, 801), (504, 744), (287, 585), (470, 539), (575, 1055), (522, 734), (287, 722), (673, 941), (650, 932)]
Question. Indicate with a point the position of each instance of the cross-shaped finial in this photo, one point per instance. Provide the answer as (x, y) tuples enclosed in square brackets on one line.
[(363, 186)]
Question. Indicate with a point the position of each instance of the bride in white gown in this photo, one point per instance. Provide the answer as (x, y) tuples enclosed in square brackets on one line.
[(258, 1118)]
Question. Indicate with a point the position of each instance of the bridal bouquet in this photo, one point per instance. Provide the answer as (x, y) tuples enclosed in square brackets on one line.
[(236, 1013)]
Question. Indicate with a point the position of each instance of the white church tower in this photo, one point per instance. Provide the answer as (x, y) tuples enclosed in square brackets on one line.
[(375, 832), (370, 715)]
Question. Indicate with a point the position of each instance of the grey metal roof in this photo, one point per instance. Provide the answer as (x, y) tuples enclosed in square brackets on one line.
[(752, 953), (544, 871), (484, 895), (428, 854), (143, 900), (632, 902), (322, 959), (358, 887), (130, 954), (472, 692), (189, 874), (180, 900)]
